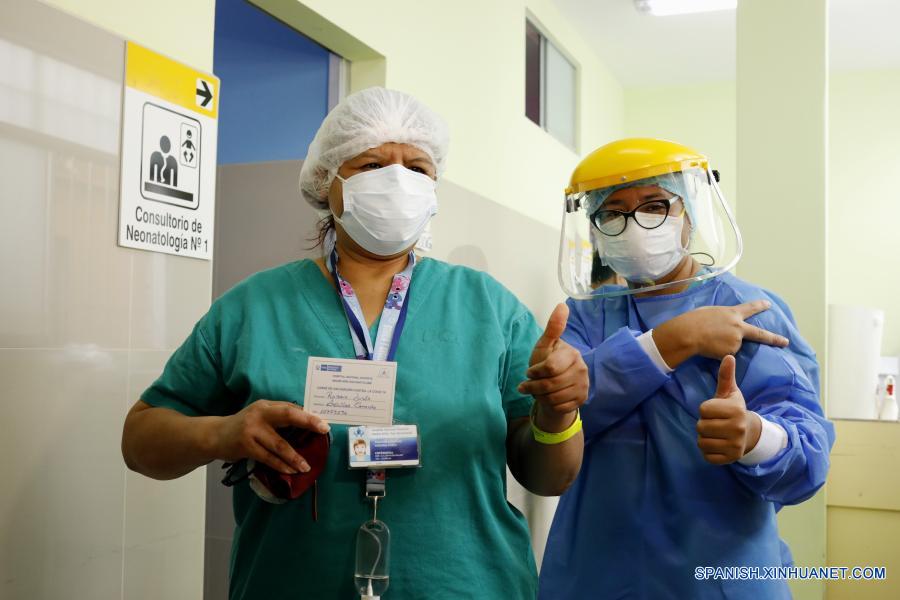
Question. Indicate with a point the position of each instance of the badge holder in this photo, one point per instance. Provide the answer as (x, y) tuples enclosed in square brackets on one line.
[(373, 545), (376, 449)]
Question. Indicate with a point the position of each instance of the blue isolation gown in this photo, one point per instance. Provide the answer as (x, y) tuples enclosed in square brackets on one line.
[(647, 509)]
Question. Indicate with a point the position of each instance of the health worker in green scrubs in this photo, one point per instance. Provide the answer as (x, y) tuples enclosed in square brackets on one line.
[(485, 386)]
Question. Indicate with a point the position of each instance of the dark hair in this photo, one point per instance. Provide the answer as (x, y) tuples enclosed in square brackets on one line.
[(600, 273), (324, 225)]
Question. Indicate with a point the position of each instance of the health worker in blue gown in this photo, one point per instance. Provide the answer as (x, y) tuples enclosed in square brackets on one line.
[(703, 417)]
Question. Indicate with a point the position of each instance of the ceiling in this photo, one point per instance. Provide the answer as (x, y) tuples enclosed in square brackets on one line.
[(647, 50)]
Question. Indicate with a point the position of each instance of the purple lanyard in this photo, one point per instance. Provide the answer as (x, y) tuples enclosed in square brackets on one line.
[(393, 316)]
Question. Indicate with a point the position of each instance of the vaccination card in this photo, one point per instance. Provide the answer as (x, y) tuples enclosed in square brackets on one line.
[(351, 392)]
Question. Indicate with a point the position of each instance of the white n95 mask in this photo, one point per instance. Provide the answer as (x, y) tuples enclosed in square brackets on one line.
[(643, 255), (387, 209)]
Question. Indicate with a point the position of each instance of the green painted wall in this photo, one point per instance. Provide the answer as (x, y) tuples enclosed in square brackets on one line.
[(864, 195), (782, 75), (702, 116), (180, 30)]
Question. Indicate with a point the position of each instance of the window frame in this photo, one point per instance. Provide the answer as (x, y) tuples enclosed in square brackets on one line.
[(545, 38)]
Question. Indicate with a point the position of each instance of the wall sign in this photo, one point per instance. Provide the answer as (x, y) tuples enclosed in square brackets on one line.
[(168, 173)]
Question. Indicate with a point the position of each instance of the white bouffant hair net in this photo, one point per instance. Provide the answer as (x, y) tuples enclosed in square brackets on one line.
[(364, 120)]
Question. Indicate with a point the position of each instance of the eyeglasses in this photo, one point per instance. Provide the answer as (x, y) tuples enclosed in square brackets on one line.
[(648, 215)]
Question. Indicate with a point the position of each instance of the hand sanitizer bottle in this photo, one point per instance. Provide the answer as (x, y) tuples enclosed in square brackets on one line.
[(889, 408)]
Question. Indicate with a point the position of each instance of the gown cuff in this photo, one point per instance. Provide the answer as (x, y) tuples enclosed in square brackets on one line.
[(772, 440), (649, 346)]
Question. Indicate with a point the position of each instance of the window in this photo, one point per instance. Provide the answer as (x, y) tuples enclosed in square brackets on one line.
[(549, 86)]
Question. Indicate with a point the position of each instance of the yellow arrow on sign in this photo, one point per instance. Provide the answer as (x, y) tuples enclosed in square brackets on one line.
[(171, 80)]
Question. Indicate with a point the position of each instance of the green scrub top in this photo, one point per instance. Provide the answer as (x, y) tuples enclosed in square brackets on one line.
[(463, 351)]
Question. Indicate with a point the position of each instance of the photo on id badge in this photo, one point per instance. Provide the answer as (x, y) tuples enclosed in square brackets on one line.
[(359, 445)]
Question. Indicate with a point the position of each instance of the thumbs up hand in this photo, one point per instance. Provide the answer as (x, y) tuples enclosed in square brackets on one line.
[(557, 375), (548, 341), (726, 429)]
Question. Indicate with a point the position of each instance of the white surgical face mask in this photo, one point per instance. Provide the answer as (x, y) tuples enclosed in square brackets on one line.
[(643, 255), (387, 209)]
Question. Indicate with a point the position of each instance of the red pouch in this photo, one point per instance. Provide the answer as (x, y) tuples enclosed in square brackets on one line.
[(277, 487)]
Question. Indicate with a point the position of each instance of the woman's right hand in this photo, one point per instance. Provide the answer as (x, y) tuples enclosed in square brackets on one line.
[(252, 433), (713, 332)]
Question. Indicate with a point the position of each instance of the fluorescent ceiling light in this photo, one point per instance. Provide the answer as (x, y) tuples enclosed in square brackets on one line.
[(663, 8)]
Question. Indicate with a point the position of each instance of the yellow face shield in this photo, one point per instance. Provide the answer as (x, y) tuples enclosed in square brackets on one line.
[(652, 211)]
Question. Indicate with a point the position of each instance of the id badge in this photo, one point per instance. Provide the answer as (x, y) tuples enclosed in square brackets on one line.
[(383, 447)]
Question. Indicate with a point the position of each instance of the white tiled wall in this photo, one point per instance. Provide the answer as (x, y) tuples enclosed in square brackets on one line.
[(85, 326)]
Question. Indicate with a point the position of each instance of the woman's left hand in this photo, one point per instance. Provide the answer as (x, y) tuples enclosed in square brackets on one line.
[(557, 375), (726, 430)]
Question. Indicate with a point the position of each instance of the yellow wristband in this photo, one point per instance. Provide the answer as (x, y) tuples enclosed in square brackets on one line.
[(544, 437)]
